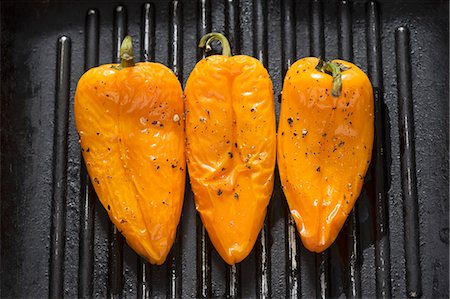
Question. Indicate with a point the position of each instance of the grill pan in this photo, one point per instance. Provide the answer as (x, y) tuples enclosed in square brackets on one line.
[(56, 238)]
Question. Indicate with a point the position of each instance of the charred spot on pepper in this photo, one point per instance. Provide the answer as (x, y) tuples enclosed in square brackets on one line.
[(219, 192)]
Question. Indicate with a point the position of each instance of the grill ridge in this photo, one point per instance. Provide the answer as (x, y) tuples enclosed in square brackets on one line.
[(375, 72), (87, 193), (408, 163), (59, 194)]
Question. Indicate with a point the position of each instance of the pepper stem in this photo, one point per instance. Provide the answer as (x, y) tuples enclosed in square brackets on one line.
[(207, 39), (334, 69), (126, 54)]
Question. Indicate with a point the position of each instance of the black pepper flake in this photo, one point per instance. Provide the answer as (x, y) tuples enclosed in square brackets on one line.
[(109, 207), (154, 122), (290, 121), (88, 150), (173, 166), (252, 110), (235, 145), (122, 221), (249, 167), (98, 133), (295, 133), (236, 196), (181, 168), (223, 168), (109, 149), (324, 135), (219, 192), (161, 125), (334, 108), (282, 133), (157, 167), (96, 180), (230, 154), (341, 143), (107, 95), (228, 141), (318, 169)]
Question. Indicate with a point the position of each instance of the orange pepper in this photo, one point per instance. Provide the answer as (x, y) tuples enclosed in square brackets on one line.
[(325, 137), (129, 119), (231, 147)]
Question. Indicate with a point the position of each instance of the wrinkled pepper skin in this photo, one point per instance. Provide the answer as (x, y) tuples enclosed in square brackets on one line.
[(324, 147), (132, 138), (231, 149)]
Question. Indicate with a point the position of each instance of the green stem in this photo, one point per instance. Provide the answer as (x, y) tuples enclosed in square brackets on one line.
[(126, 54), (334, 69), (207, 39)]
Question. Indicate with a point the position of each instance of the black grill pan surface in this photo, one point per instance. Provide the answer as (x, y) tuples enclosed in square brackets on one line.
[(56, 238)]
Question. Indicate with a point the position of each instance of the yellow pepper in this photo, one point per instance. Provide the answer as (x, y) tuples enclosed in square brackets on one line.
[(129, 119), (325, 138), (231, 147)]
